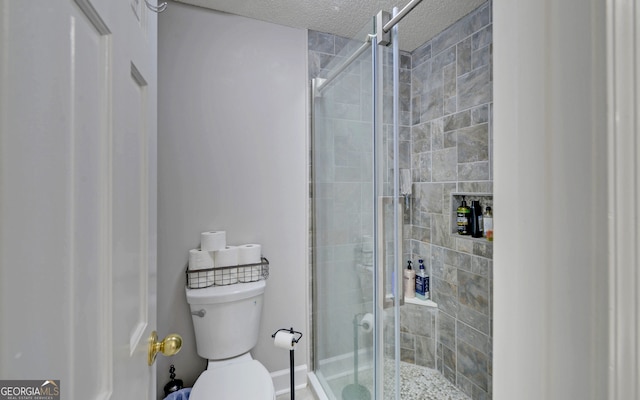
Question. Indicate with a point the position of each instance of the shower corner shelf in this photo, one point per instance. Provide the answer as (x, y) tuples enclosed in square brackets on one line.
[(223, 276), (417, 301)]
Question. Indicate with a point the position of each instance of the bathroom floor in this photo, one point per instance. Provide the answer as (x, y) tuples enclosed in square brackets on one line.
[(417, 383), (302, 394)]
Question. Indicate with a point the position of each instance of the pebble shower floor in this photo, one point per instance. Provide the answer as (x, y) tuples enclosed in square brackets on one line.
[(417, 383)]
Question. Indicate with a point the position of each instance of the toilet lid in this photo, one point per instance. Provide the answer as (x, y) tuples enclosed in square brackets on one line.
[(242, 381)]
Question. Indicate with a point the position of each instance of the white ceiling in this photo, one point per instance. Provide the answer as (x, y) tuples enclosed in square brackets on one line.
[(347, 17)]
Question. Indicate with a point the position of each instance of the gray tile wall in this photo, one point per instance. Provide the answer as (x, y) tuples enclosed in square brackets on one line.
[(451, 152)]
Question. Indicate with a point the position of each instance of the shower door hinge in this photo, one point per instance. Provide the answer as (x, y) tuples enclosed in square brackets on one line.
[(383, 38)]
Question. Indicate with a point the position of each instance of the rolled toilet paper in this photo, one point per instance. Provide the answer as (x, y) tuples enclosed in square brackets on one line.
[(249, 254), (201, 279), (366, 323), (213, 240), (284, 340), (227, 257), (200, 259)]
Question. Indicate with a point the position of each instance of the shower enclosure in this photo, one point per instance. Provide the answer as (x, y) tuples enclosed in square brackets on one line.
[(357, 220), (378, 116)]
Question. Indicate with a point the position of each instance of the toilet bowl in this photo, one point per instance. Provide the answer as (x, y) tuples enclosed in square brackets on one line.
[(240, 380), (226, 321)]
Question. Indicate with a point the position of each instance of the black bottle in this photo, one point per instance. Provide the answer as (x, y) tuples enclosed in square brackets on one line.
[(475, 219)]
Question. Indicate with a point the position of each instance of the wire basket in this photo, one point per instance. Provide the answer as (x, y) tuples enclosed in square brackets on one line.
[(203, 278)]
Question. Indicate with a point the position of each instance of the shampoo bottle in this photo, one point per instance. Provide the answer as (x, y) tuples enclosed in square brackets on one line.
[(409, 281), (422, 282), (488, 224), (463, 218), (476, 219)]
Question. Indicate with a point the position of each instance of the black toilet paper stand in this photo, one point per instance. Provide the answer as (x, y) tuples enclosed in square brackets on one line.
[(291, 363)]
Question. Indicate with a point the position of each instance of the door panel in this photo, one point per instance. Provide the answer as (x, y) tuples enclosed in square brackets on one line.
[(77, 196), (89, 275)]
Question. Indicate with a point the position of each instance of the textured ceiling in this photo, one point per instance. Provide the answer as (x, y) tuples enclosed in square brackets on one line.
[(347, 17)]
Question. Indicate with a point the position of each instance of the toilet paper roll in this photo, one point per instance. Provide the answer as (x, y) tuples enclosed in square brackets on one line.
[(213, 240), (284, 340), (249, 254), (225, 276), (201, 279), (366, 323), (226, 257), (199, 259)]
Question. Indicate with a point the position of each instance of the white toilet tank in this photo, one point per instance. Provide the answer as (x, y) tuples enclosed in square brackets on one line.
[(226, 319)]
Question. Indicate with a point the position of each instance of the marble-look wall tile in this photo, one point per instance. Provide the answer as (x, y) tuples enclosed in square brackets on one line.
[(449, 81), (475, 187), (464, 56), (437, 134), (447, 330), (432, 105), (475, 171), (421, 167), (483, 249), (449, 363), (482, 38), (457, 121), (425, 351), (473, 291), (440, 235), (473, 143), (482, 56), (472, 364), (421, 234), (480, 114), (445, 165), (473, 338), (421, 54), (421, 138), (428, 197), (478, 320), (447, 302), (475, 88), (464, 245)]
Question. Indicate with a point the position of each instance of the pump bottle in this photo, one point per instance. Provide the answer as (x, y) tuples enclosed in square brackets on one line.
[(409, 281), (422, 282)]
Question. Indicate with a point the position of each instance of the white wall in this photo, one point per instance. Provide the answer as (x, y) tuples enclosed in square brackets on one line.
[(232, 155), (550, 248)]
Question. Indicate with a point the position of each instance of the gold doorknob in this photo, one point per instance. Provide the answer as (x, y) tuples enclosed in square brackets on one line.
[(169, 346)]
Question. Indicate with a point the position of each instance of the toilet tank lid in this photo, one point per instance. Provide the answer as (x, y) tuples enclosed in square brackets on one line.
[(227, 293)]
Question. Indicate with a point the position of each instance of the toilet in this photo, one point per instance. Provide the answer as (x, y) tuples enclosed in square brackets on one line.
[(226, 320)]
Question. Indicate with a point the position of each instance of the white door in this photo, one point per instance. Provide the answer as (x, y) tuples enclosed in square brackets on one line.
[(78, 195)]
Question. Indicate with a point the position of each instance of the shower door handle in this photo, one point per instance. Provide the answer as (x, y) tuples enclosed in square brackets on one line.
[(387, 299)]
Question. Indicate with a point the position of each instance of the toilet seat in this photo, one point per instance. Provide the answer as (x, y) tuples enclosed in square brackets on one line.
[(239, 381)]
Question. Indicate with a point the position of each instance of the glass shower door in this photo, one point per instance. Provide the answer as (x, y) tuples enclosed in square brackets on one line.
[(353, 242)]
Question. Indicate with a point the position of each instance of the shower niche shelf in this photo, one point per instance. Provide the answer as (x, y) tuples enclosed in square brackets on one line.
[(486, 199), (417, 301)]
